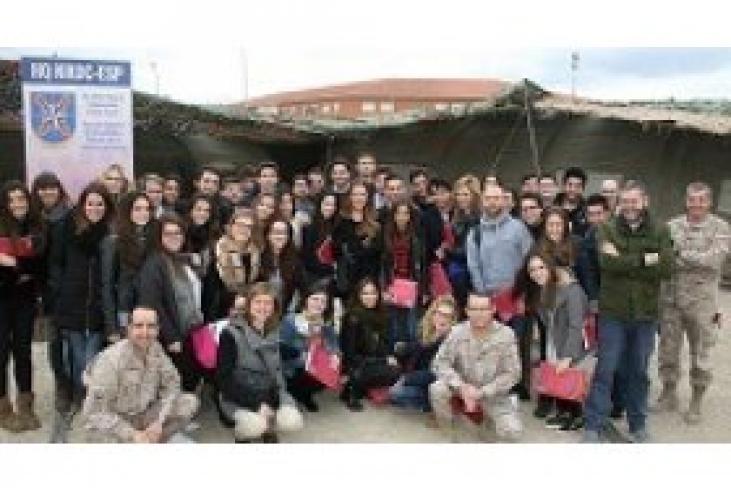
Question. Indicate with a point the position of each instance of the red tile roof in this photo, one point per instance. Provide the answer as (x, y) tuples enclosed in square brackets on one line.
[(393, 89)]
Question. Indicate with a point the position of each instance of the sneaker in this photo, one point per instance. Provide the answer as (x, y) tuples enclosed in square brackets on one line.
[(558, 420), (591, 437), (640, 437), (572, 423), (543, 409)]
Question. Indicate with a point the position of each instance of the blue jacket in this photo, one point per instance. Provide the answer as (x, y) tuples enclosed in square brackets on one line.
[(293, 342), (495, 256)]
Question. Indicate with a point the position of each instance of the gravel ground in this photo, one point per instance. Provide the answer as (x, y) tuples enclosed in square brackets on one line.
[(335, 424)]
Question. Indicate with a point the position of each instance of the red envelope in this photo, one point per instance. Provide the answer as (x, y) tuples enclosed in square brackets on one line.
[(571, 384), (19, 248), (319, 366), (326, 252), (403, 292)]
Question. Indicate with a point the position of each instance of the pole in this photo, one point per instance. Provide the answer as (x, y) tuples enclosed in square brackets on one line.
[(574, 70)]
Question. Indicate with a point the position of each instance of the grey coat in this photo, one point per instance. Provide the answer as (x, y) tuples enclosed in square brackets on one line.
[(565, 322)]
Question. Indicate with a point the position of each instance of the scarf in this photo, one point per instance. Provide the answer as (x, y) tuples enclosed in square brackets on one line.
[(236, 267)]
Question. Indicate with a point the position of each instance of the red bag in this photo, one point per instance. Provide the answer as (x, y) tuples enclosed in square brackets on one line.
[(404, 292), (326, 252), (203, 345), (319, 367), (457, 405), (507, 306), (571, 384), (591, 332), (439, 284)]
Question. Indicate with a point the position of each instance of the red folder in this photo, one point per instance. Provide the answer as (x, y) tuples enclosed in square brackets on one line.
[(403, 293), (458, 408), (19, 248), (571, 384), (319, 366), (326, 252)]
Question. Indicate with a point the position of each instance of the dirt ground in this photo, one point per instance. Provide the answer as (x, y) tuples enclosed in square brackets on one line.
[(335, 424)]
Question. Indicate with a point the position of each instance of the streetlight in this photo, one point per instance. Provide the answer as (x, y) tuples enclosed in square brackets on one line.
[(574, 69), (153, 67)]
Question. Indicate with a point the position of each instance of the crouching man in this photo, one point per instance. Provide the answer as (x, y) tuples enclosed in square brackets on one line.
[(476, 367), (134, 389)]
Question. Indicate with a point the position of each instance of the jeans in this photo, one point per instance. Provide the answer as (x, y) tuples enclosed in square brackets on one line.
[(633, 344), (410, 396), (402, 325), (79, 348), (17, 316)]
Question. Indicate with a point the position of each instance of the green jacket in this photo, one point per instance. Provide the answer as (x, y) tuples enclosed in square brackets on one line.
[(630, 289)]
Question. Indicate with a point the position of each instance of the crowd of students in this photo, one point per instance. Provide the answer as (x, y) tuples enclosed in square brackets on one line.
[(376, 266)]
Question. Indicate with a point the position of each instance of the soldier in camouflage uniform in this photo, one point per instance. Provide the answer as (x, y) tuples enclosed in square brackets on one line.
[(478, 362), (690, 298), (134, 389)]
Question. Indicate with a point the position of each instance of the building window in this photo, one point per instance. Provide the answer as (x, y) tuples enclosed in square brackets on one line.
[(336, 107), (368, 107), (441, 106), (387, 107), (326, 109), (458, 107)]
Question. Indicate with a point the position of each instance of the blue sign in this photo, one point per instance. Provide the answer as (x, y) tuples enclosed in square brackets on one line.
[(56, 71), (53, 115)]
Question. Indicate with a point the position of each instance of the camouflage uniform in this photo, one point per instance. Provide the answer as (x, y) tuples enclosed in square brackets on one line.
[(127, 393), (690, 298), (490, 364)]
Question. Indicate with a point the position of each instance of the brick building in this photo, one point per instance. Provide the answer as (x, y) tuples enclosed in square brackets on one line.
[(378, 98)]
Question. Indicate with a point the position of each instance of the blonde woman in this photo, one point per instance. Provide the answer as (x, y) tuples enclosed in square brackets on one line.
[(253, 392), (412, 389), (466, 214), (238, 260)]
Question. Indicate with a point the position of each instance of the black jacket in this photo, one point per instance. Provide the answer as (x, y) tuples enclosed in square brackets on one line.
[(75, 276), (364, 336), (312, 238), (356, 257), (417, 265), (155, 290), (24, 281)]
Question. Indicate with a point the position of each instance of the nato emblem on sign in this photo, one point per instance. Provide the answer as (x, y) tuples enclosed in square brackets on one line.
[(53, 115)]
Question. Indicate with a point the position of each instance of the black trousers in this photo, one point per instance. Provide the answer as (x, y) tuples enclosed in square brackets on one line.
[(17, 316), (373, 373), (190, 377), (302, 386)]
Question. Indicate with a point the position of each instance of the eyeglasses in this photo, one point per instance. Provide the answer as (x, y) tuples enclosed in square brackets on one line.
[(173, 233), (479, 309), (528, 207), (144, 324), (536, 268)]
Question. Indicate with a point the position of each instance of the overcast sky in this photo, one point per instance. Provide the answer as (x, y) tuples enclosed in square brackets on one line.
[(219, 75)]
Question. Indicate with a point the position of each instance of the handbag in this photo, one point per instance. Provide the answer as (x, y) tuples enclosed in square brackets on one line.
[(570, 384), (202, 343), (439, 284)]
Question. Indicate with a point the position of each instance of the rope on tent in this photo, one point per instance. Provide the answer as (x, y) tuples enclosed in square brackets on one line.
[(531, 131), (507, 141)]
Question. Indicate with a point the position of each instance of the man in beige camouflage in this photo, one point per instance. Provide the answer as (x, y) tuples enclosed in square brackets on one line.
[(478, 362), (134, 389), (690, 299)]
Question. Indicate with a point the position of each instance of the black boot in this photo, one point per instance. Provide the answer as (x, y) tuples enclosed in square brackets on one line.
[(544, 407), (352, 399)]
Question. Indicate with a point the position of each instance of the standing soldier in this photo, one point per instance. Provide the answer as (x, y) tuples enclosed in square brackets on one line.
[(690, 301)]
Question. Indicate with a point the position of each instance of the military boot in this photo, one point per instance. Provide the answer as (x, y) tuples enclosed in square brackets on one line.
[(668, 400), (693, 415), (26, 418), (6, 412)]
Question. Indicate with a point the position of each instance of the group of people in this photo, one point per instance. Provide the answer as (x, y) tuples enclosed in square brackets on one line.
[(399, 279)]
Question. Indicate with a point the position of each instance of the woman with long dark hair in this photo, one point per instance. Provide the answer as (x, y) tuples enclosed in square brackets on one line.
[(368, 360), (313, 322), (75, 291), (317, 238), (404, 258), (358, 241), (22, 236), (170, 286), (123, 253), (553, 294), (280, 264), (49, 196), (200, 238)]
